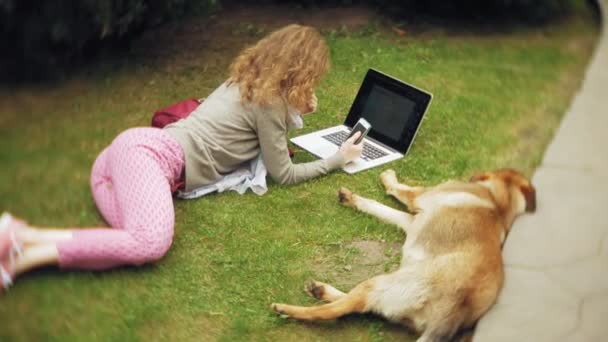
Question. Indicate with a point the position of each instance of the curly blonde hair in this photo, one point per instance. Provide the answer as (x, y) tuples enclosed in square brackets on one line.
[(284, 66)]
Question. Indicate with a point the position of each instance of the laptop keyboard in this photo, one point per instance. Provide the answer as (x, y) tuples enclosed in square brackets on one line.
[(370, 152)]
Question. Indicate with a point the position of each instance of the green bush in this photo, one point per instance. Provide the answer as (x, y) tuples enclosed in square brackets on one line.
[(526, 10), (40, 37), (520, 10)]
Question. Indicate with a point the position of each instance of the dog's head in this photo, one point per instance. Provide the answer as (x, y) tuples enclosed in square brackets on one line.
[(509, 185)]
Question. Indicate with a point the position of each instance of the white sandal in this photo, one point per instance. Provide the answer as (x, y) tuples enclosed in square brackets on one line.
[(7, 222), (14, 251), (5, 278)]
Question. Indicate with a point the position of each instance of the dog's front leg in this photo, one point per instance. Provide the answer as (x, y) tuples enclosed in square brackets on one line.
[(402, 192), (383, 212)]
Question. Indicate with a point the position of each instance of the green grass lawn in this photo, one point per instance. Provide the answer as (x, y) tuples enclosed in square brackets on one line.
[(498, 99)]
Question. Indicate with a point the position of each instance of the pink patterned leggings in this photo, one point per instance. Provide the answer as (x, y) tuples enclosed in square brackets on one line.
[(131, 182)]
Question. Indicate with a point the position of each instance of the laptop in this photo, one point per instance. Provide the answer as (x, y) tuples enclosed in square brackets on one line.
[(393, 108)]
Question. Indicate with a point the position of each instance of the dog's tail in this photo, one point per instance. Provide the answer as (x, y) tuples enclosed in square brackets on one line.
[(440, 331), (446, 326)]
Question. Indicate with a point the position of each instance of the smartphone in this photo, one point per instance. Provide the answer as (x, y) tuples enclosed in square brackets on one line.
[(361, 126)]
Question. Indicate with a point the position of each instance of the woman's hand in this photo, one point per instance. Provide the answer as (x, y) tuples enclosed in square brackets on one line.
[(349, 150), (312, 104)]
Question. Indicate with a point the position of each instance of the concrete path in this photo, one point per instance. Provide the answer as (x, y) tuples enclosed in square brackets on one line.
[(556, 260)]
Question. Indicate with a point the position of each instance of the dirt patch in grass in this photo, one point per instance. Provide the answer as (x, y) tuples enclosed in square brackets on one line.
[(237, 27), (373, 253), (347, 264), (350, 18)]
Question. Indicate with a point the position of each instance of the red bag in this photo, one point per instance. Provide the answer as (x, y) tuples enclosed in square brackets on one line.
[(176, 112)]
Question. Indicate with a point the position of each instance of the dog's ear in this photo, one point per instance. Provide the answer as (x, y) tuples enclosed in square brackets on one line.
[(479, 177), (530, 195)]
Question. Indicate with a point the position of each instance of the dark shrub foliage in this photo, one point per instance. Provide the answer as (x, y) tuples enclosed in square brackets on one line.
[(39, 37), (527, 10), (520, 10)]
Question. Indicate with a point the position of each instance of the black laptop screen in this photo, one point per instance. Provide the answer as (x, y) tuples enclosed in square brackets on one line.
[(387, 112), (393, 108)]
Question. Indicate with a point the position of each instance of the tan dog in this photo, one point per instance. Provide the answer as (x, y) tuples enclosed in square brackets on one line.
[(451, 270)]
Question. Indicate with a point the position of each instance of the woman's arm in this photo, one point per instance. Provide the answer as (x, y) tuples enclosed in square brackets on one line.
[(271, 131)]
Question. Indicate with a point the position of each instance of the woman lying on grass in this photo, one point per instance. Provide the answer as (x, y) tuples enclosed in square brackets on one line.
[(132, 180)]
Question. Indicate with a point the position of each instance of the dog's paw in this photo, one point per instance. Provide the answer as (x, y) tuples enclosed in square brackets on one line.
[(388, 177), (315, 289), (389, 180), (345, 196), (278, 308)]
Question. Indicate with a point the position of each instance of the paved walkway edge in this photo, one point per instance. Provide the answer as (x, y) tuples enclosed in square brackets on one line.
[(556, 260)]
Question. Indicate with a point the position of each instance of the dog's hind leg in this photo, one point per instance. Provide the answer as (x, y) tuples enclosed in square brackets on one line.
[(383, 212), (332, 310), (353, 302), (393, 296), (322, 291), (402, 192)]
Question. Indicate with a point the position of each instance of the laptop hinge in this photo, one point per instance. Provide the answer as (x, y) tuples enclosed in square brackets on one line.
[(383, 145)]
